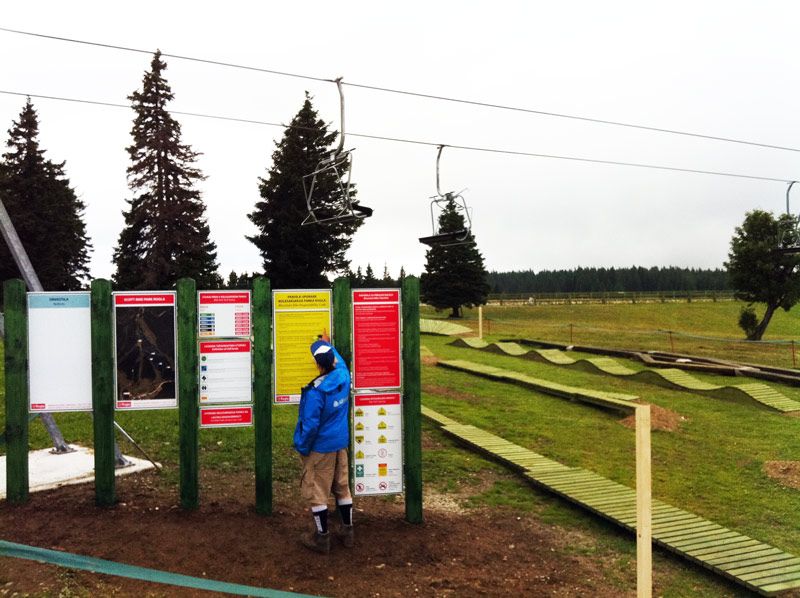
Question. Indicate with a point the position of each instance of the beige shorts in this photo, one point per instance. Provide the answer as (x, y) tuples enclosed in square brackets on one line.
[(324, 473)]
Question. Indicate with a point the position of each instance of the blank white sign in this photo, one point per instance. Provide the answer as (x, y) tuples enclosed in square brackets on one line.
[(59, 352)]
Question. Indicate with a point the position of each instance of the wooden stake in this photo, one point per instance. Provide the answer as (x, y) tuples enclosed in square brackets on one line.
[(16, 370), (480, 321), (644, 535), (188, 403), (412, 405), (103, 393), (262, 392)]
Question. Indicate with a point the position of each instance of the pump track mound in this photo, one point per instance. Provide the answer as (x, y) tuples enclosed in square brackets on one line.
[(483, 552)]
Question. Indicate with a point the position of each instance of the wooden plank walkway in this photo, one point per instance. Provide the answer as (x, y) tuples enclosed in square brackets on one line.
[(615, 401), (672, 378), (755, 565)]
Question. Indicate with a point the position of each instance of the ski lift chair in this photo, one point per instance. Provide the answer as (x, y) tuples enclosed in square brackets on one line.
[(340, 164), (790, 239), (439, 201)]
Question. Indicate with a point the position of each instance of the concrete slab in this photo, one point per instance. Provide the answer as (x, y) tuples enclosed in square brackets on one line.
[(47, 471)]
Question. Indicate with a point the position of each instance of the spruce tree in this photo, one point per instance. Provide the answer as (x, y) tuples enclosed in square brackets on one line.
[(454, 274), (166, 236), (44, 209), (297, 256), (370, 281)]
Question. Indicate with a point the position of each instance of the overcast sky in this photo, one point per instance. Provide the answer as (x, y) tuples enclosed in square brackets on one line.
[(720, 68)]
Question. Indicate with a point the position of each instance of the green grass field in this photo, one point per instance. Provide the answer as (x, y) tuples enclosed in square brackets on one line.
[(637, 326), (712, 465)]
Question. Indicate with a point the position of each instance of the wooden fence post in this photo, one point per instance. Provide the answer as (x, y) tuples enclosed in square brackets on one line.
[(644, 525), (262, 392), (342, 319), (412, 404), (103, 393), (16, 371), (188, 408)]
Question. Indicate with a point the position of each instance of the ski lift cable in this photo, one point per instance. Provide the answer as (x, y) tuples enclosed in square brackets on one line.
[(421, 142), (429, 96)]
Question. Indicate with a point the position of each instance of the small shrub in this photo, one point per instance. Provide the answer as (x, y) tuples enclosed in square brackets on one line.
[(748, 321)]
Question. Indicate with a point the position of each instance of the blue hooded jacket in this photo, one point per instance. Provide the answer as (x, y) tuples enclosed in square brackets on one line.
[(322, 423)]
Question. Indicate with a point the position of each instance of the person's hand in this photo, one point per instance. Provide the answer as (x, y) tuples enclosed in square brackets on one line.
[(325, 336)]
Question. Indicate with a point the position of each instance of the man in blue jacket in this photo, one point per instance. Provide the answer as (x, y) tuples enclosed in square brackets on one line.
[(321, 437)]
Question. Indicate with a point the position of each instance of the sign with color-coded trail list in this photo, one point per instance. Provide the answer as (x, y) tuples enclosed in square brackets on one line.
[(377, 360), (225, 372), (223, 314), (378, 443), (144, 356), (299, 317), (59, 351)]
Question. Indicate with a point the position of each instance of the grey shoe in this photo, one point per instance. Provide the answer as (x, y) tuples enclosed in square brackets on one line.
[(316, 542), (345, 535)]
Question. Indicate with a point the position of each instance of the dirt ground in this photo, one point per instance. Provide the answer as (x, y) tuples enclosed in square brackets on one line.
[(453, 553), (785, 472), (660, 419)]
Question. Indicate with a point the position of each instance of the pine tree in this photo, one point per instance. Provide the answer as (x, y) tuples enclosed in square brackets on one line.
[(166, 236), (45, 211), (370, 281), (454, 274), (297, 256)]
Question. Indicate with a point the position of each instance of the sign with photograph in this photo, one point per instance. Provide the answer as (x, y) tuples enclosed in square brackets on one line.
[(59, 351), (144, 356)]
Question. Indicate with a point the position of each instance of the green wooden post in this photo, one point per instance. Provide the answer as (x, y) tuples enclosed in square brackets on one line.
[(188, 408), (262, 392), (16, 369), (342, 339), (412, 403), (342, 319), (103, 393)]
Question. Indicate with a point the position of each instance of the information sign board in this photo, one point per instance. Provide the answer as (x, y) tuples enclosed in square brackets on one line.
[(226, 417), (299, 317), (225, 372), (59, 351), (144, 356), (223, 314), (378, 443), (377, 338)]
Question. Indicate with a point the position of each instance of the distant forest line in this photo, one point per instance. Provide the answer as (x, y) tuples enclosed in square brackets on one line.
[(634, 279)]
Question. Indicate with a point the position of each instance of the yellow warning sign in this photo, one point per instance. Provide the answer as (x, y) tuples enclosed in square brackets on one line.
[(381, 439), (359, 412), (299, 318), (382, 425), (359, 426), (381, 411), (359, 455), (383, 469), (359, 439)]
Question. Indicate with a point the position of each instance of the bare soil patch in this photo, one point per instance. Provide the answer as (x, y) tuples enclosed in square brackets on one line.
[(786, 473), (467, 553), (660, 419), (449, 393)]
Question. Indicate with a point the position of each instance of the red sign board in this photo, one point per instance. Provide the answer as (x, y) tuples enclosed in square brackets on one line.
[(376, 339), (145, 299), (224, 346), (224, 417)]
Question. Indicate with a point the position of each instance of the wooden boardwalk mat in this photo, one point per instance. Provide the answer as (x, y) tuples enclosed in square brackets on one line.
[(672, 378), (757, 566), (615, 401)]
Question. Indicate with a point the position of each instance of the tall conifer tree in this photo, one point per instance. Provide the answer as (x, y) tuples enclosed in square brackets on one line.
[(454, 274), (44, 209), (297, 256), (166, 236)]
